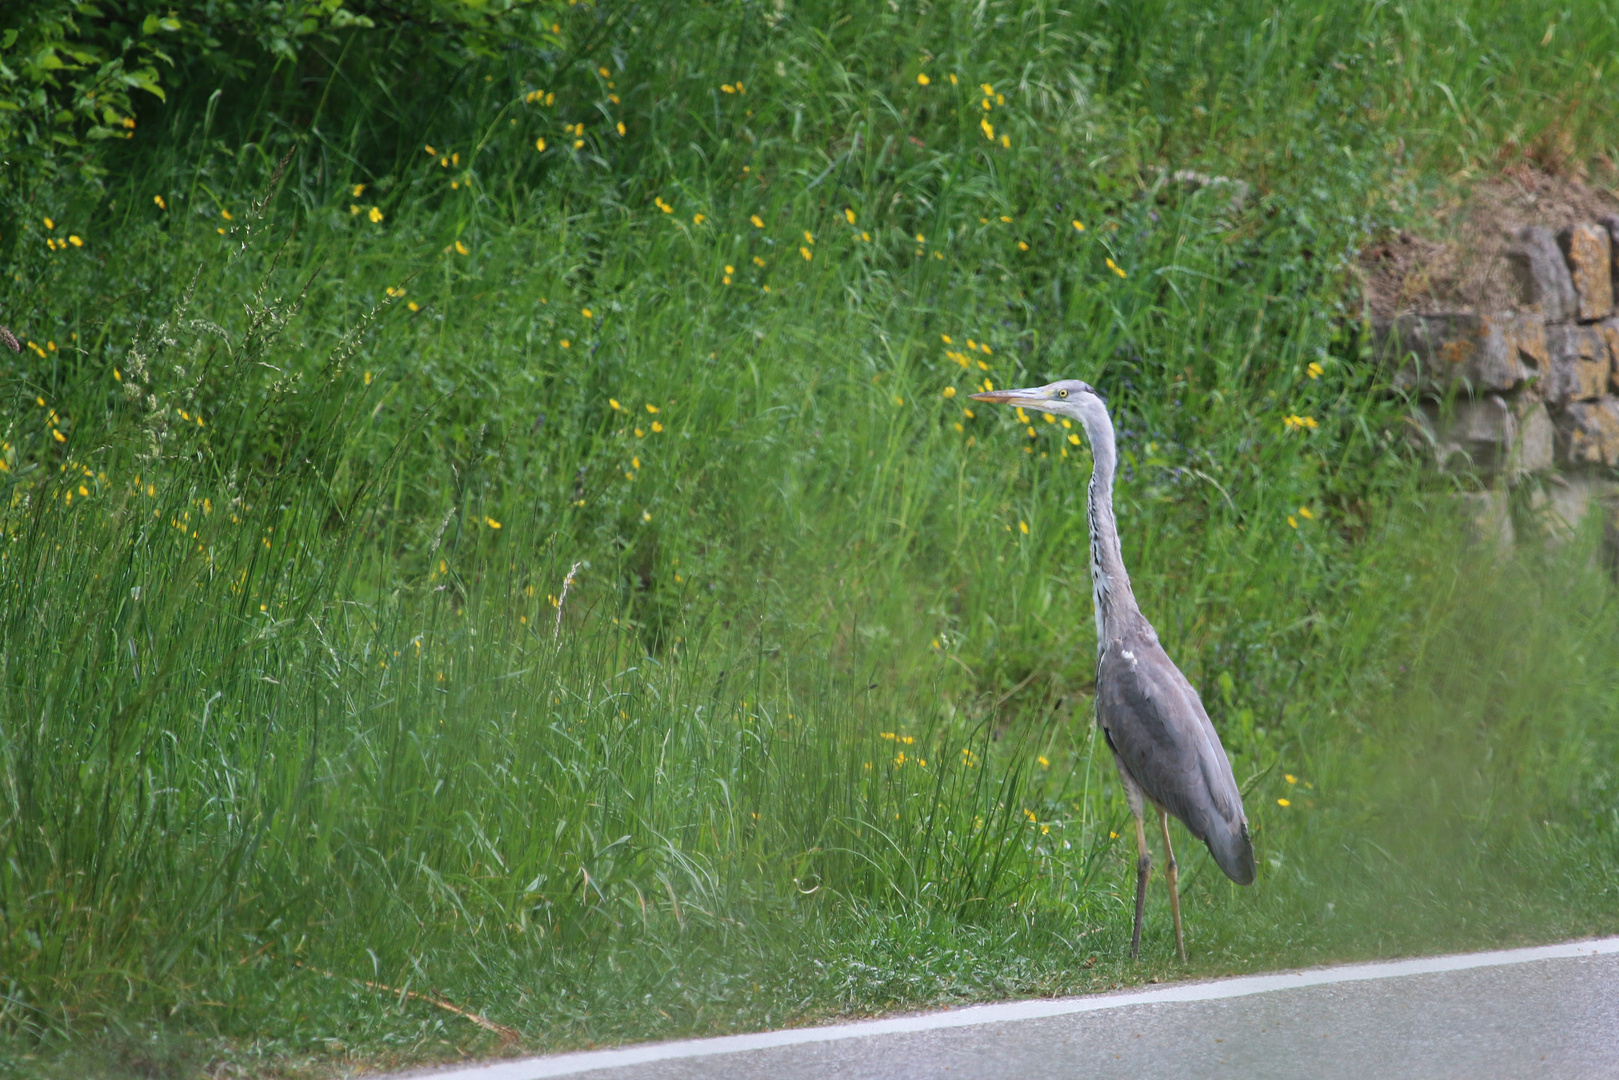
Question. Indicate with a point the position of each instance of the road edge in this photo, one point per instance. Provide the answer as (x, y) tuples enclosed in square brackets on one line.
[(542, 1067)]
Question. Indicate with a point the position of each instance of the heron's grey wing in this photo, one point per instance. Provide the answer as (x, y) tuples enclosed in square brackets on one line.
[(1158, 729)]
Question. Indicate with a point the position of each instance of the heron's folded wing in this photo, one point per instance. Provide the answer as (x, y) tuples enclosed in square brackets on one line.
[(1158, 728)]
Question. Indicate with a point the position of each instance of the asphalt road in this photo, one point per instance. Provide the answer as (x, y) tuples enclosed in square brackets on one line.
[(1542, 1012)]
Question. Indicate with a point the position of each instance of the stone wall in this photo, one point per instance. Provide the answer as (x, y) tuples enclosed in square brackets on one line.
[(1528, 398)]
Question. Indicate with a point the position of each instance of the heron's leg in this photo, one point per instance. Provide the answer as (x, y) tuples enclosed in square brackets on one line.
[(1143, 870), (1173, 878)]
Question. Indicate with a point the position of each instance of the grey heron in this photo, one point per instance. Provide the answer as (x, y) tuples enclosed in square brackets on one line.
[(1166, 749)]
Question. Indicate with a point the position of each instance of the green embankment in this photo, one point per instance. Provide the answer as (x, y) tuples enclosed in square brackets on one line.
[(293, 721)]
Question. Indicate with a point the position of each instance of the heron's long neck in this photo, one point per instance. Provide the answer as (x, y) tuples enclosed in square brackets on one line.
[(1110, 583)]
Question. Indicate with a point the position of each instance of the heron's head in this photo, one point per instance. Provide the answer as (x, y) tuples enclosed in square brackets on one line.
[(1066, 397)]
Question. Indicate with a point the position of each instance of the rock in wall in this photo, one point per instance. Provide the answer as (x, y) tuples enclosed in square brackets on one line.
[(1529, 395)]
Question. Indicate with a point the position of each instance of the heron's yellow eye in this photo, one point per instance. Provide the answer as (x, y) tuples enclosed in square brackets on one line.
[(1062, 393)]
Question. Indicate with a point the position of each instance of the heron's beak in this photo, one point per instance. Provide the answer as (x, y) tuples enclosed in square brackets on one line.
[(1032, 398)]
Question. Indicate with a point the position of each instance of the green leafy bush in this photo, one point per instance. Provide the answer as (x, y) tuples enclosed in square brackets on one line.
[(75, 74)]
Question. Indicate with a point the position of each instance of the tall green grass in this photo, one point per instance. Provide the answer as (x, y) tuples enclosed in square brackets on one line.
[(296, 709)]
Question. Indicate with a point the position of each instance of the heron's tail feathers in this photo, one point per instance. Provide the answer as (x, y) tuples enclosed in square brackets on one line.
[(1233, 851)]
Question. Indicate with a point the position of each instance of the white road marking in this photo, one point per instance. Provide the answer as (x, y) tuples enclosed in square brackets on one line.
[(1011, 1011)]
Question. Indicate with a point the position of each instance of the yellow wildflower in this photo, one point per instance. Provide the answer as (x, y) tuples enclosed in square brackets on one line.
[(988, 128), (1079, 226), (539, 144), (1113, 266), (375, 215), (806, 252), (1314, 370), (161, 205), (922, 80), (848, 215), (950, 391), (461, 249), (1283, 802), (1023, 526), (757, 222)]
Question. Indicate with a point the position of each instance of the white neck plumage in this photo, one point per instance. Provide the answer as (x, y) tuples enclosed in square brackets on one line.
[(1110, 583)]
